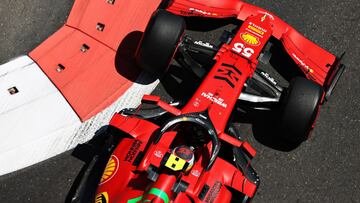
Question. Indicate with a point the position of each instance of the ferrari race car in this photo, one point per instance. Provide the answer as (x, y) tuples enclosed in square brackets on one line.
[(189, 150)]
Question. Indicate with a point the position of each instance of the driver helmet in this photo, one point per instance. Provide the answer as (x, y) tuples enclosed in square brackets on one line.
[(186, 153)]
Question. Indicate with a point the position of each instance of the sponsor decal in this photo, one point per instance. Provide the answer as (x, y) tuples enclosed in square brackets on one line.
[(185, 118), (195, 173), (202, 12), (263, 18), (211, 97), (228, 73), (102, 198), (158, 154), (134, 149), (269, 78), (204, 44), (250, 39), (110, 170), (240, 48), (267, 15), (213, 192), (200, 121), (302, 63), (197, 102), (256, 28)]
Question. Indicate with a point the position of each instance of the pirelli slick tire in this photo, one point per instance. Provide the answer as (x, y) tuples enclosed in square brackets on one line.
[(84, 188), (299, 109), (160, 41)]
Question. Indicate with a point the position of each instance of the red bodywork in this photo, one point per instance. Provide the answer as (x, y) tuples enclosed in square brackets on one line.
[(125, 181)]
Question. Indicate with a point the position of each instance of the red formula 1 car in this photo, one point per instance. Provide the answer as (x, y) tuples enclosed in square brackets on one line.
[(190, 152)]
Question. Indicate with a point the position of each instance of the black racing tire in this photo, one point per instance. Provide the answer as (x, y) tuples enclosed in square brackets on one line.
[(160, 41), (86, 183), (299, 108)]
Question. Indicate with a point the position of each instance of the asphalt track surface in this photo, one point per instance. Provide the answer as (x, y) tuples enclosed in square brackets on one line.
[(324, 169)]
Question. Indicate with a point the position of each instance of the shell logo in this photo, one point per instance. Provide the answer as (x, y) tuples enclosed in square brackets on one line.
[(102, 198), (250, 39), (110, 169)]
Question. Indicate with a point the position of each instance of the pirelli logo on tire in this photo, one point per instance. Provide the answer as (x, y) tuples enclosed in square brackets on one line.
[(102, 198)]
